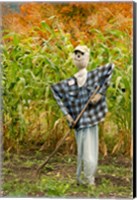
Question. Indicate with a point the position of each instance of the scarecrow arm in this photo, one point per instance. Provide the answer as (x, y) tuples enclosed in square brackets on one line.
[(105, 74), (58, 95)]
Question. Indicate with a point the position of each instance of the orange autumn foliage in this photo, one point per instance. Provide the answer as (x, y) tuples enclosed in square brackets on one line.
[(78, 19)]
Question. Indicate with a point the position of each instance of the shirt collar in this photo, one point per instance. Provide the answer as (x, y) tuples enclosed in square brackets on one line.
[(81, 73)]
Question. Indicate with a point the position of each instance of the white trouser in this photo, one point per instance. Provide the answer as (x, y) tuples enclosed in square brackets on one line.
[(87, 150)]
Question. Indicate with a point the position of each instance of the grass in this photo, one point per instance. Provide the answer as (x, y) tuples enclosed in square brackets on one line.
[(57, 179)]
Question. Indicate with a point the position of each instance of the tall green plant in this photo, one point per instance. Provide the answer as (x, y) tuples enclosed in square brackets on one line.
[(28, 72), (29, 69), (120, 106), (114, 47)]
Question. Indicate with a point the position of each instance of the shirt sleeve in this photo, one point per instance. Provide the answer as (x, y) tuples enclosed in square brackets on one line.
[(58, 94), (105, 74)]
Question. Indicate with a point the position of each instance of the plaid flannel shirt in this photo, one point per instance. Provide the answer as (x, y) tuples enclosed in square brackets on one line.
[(72, 98)]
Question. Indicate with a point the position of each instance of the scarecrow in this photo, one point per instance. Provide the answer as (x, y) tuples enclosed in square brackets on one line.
[(71, 95)]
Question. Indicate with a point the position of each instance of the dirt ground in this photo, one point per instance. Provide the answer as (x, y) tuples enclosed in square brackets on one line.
[(113, 177)]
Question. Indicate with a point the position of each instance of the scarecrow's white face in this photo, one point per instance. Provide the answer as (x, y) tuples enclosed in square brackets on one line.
[(80, 59)]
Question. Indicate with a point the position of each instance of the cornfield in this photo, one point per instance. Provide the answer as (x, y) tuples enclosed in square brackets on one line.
[(40, 54)]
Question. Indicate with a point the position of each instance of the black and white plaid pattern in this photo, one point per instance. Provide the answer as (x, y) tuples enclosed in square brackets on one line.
[(72, 98)]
